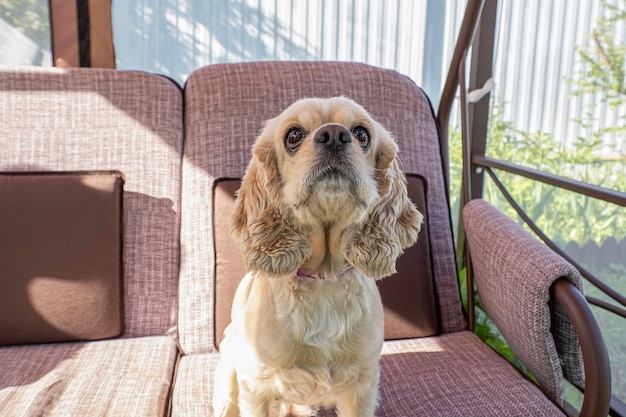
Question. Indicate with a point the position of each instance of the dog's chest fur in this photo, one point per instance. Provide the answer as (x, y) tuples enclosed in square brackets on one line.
[(308, 336)]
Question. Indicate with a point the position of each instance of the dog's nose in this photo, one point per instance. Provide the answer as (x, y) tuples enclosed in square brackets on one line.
[(333, 137)]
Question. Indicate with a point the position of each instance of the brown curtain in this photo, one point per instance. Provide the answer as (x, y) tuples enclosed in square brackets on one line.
[(82, 34)]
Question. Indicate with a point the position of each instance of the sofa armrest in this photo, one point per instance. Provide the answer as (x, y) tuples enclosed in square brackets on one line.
[(597, 400), (514, 273)]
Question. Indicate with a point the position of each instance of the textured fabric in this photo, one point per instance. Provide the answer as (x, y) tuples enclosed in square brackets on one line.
[(60, 262), (123, 377), (89, 119), (225, 107), (230, 266), (513, 273), (193, 385), (408, 296), (455, 375), (451, 375)]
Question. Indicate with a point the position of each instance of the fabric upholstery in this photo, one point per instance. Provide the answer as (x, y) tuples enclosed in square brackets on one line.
[(61, 264), (408, 296), (455, 375), (230, 267), (513, 273), (123, 377), (225, 107), (97, 119), (450, 375), (193, 385)]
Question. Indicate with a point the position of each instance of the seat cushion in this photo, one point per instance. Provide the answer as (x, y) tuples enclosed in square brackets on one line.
[(122, 377), (455, 375), (193, 385), (451, 375)]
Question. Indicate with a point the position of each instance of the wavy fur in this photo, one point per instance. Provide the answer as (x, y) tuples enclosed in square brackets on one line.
[(341, 214)]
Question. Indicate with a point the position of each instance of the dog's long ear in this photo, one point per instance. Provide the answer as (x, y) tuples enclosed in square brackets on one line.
[(392, 224), (261, 224)]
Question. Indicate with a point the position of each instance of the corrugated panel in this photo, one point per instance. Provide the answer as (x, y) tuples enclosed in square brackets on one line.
[(174, 37), (535, 60)]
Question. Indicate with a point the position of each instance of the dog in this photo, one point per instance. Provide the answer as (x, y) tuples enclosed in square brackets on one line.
[(321, 214)]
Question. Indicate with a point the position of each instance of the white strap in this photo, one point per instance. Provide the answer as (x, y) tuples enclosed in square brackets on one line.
[(474, 96)]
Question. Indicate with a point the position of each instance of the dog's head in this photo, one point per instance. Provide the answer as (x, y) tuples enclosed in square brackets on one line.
[(324, 165)]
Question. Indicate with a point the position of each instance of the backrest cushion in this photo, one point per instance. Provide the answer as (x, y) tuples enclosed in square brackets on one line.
[(97, 119), (408, 296), (61, 262), (225, 108)]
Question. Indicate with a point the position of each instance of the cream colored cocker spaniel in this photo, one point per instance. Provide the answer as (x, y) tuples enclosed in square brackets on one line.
[(321, 213)]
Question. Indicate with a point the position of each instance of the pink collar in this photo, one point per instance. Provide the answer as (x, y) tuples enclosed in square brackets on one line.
[(301, 273)]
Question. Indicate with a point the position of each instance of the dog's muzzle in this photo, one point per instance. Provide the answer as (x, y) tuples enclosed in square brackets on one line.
[(333, 141), (333, 138), (334, 172)]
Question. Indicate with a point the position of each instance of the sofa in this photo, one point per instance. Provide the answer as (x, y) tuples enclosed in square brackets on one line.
[(180, 152)]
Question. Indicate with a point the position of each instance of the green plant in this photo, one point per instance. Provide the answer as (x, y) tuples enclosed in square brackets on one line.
[(31, 17), (561, 214), (603, 58), (601, 76)]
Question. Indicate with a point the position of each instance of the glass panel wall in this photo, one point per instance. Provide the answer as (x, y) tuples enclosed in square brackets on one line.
[(25, 33)]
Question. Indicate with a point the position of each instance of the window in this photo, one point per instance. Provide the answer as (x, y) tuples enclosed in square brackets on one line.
[(25, 33)]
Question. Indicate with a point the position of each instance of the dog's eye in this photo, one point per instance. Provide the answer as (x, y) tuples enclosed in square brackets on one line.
[(294, 138), (361, 134)]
